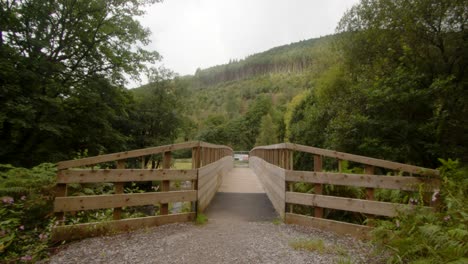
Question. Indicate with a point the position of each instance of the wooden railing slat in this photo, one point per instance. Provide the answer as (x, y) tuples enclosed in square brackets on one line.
[(347, 204), (363, 180), (355, 158), (123, 175), (90, 202)]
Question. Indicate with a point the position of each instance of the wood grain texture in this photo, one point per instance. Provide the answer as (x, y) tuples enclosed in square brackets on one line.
[(363, 180), (272, 179), (78, 203), (341, 228), (355, 158), (80, 231), (124, 175), (347, 204)]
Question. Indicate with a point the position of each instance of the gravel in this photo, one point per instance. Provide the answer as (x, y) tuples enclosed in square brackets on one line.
[(218, 241)]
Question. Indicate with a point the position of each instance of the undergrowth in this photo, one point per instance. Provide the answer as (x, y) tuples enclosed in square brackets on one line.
[(439, 236), (26, 212)]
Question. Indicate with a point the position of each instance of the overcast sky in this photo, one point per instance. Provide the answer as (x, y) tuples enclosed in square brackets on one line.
[(201, 33)]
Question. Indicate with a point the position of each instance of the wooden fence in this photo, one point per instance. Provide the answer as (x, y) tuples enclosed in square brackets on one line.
[(274, 166), (209, 163)]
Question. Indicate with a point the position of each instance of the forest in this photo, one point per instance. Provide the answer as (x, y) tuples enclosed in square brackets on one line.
[(391, 83)]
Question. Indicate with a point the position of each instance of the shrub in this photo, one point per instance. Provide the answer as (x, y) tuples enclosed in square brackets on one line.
[(25, 212), (439, 236)]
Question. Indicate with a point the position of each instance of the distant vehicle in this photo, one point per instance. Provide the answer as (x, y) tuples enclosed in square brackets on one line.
[(241, 157)]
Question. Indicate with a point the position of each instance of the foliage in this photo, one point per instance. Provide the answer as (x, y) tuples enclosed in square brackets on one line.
[(25, 212), (398, 91), (317, 245), (421, 236), (201, 219), (62, 70)]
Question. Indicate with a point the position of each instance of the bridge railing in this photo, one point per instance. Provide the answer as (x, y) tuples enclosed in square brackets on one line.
[(274, 166), (209, 163)]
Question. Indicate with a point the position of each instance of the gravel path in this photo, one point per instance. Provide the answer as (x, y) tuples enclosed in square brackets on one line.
[(215, 242), (241, 229)]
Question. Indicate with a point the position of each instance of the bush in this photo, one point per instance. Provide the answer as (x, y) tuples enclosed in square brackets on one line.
[(439, 236), (25, 212)]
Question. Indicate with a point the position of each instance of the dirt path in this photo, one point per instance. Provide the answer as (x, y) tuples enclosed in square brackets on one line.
[(241, 229)]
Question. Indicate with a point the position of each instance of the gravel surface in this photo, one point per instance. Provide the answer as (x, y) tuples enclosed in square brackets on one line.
[(218, 241)]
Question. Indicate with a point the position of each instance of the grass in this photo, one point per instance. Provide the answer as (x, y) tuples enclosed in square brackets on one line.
[(277, 221), (309, 245), (201, 219), (317, 245), (182, 164)]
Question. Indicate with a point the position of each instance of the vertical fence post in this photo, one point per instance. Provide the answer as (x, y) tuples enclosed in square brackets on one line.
[(118, 189), (167, 159), (196, 162), (61, 191), (369, 191), (318, 188)]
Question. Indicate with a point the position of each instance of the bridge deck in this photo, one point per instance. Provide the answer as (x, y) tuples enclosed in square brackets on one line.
[(241, 198)]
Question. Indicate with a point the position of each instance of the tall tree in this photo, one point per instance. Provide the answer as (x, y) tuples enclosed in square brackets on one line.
[(51, 53)]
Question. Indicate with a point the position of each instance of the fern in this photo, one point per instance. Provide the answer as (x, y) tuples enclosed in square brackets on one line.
[(422, 236)]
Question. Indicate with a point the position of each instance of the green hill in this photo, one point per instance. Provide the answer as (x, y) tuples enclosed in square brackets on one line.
[(227, 102)]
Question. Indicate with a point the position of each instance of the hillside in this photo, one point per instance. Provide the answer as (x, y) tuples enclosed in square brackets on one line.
[(227, 102)]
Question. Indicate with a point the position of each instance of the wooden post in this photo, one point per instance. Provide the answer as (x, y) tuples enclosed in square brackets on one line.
[(318, 188), (196, 162), (196, 159), (61, 191), (369, 191), (167, 158), (118, 189)]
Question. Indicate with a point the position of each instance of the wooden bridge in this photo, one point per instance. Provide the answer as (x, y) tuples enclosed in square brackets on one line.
[(211, 164)]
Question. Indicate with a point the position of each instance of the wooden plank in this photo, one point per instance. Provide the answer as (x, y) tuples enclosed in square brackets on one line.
[(80, 231), (341, 228), (214, 146), (272, 180), (125, 155), (347, 204), (118, 189), (318, 188), (165, 185), (366, 160), (369, 170), (363, 180), (124, 175), (356, 158), (78, 203), (196, 158), (60, 191)]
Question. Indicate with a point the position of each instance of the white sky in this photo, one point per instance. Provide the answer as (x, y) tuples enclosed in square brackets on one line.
[(203, 33)]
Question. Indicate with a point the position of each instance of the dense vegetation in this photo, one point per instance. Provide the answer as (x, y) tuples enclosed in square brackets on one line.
[(390, 84), (63, 65)]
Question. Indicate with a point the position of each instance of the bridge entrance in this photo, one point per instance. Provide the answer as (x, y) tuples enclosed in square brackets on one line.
[(260, 189), (241, 198)]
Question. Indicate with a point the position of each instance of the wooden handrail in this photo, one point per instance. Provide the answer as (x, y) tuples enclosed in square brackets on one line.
[(135, 153), (352, 157)]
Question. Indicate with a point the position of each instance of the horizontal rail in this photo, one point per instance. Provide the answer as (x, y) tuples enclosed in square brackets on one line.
[(347, 204), (134, 153), (341, 228), (124, 175), (77, 203), (364, 180), (79, 231), (352, 157)]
